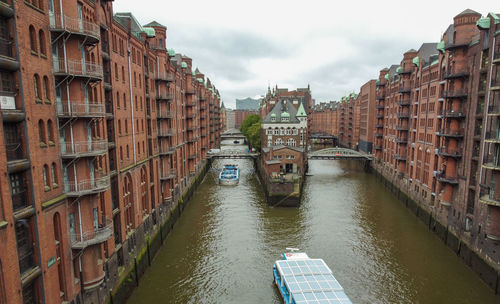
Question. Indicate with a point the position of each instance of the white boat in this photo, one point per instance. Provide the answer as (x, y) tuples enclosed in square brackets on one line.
[(302, 280), (230, 175)]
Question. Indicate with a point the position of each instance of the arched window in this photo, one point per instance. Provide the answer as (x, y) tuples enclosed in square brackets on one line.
[(121, 153), (124, 101), (41, 132), (128, 152), (46, 91), (53, 174), (41, 40), (128, 202), (36, 87), (33, 39), (50, 129), (46, 177)]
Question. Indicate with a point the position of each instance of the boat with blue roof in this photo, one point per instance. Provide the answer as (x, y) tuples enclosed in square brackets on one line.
[(301, 279), (230, 175)]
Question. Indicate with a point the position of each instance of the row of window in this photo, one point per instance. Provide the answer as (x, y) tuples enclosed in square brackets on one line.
[(139, 125), (50, 180), (141, 149), (38, 42), (41, 88), (43, 132), (283, 131)]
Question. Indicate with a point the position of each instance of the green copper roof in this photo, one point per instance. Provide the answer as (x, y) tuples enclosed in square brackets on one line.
[(495, 17), (210, 89), (184, 65), (440, 46), (272, 115), (199, 80), (193, 73), (399, 69), (416, 61), (301, 111), (483, 23), (285, 114), (150, 32), (435, 62), (386, 76), (171, 52)]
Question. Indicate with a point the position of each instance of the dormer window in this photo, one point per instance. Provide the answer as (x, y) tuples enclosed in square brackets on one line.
[(273, 119), (284, 119)]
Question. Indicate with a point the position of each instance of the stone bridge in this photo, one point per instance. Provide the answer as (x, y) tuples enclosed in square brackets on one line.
[(233, 154)]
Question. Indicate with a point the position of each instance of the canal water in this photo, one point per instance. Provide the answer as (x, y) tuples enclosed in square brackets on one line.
[(223, 247)]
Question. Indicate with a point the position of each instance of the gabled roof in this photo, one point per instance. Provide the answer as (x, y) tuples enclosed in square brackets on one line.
[(426, 50), (154, 23), (468, 12), (280, 108)]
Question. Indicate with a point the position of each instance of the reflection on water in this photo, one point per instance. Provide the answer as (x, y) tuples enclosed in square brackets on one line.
[(223, 247)]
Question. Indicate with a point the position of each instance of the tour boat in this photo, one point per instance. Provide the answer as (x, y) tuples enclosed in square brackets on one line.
[(301, 280), (236, 142), (230, 175)]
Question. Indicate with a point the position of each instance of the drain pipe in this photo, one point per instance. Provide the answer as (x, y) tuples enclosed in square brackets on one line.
[(486, 113)]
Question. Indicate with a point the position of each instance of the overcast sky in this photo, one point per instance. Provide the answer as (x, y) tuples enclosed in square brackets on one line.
[(243, 46)]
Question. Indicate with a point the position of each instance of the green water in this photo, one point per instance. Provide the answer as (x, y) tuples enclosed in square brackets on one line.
[(224, 245)]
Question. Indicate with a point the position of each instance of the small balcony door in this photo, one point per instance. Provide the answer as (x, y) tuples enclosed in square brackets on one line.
[(52, 16)]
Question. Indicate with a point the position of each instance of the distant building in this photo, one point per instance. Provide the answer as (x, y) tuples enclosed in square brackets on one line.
[(240, 115), (248, 104), (230, 117)]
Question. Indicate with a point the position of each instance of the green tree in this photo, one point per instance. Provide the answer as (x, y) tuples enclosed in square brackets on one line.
[(249, 120), (254, 135)]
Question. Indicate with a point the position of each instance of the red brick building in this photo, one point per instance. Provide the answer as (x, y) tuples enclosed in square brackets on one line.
[(103, 131), (240, 115), (324, 118)]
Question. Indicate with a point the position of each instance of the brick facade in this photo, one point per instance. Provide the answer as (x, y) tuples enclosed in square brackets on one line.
[(103, 130)]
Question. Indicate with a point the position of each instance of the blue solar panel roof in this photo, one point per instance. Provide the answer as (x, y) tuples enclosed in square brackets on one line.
[(311, 281)]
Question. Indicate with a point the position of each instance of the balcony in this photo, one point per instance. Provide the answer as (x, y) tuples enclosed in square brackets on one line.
[(378, 147), (164, 96), (451, 133), (496, 57), (453, 113), (450, 46), (8, 59), (380, 107), (20, 198), (90, 31), (404, 89), (380, 97), (456, 73), (168, 174), (94, 236), (87, 187), (400, 157), (449, 152), (88, 110), (379, 134), (163, 76), (165, 114), (403, 115), (192, 156), (492, 162), (83, 149), (495, 85), (488, 197), (459, 93), (402, 128), (77, 68), (452, 180), (378, 126), (6, 9), (165, 132), (404, 102), (492, 137), (167, 151), (401, 140)]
